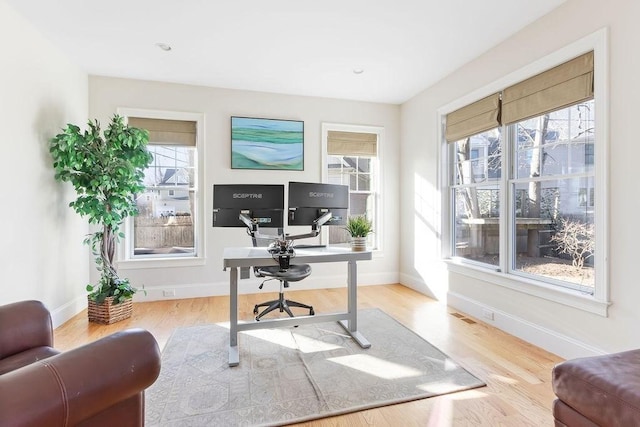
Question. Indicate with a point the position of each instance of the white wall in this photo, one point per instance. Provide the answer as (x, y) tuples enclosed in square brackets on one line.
[(42, 255), (567, 331), (106, 95)]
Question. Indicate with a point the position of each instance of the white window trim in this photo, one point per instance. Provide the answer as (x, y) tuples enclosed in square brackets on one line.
[(378, 130), (124, 260), (599, 302)]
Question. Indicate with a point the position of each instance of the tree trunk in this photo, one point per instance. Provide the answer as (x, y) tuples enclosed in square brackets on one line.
[(470, 196), (107, 251), (466, 174), (535, 191)]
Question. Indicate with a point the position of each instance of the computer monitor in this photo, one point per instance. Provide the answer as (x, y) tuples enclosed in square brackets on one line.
[(310, 201), (263, 203)]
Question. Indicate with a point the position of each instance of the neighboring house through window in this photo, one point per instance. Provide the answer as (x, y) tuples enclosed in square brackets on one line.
[(168, 223), (352, 157)]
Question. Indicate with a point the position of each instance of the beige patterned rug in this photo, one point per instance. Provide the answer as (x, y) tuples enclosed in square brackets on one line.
[(294, 374)]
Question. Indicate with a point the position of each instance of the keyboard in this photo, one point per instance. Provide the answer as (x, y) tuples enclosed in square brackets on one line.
[(309, 246)]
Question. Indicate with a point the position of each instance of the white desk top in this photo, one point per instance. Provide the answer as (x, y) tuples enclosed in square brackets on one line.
[(254, 257)]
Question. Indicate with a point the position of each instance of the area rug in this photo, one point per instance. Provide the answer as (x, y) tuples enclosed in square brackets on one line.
[(289, 375)]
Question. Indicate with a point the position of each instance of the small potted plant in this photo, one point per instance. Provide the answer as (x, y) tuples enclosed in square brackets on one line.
[(359, 227), (107, 171)]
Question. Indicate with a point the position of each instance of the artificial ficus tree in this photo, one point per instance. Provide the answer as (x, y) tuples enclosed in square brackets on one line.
[(107, 171)]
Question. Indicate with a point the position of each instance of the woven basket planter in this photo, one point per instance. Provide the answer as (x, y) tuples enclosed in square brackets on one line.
[(108, 312)]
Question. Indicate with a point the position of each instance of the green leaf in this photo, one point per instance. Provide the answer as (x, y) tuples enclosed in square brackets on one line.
[(106, 169)]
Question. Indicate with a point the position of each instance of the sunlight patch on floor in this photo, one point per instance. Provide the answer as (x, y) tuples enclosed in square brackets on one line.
[(503, 379), (310, 345), (277, 336), (442, 414), (376, 367), (285, 338)]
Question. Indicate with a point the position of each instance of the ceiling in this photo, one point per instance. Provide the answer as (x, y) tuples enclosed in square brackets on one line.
[(283, 46)]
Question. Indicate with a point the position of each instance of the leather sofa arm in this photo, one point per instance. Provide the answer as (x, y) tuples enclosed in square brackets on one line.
[(24, 325), (73, 386)]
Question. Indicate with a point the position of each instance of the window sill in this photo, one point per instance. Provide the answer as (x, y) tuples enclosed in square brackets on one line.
[(568, 297), (134, 264)]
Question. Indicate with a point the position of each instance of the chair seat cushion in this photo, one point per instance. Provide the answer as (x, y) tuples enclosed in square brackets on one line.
[(293, 274), (605, 389), (25, 358)]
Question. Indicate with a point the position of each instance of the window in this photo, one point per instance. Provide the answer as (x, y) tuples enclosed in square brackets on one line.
[(352, 159), (167, 223), (523, 181), (554, 222), (476, 196)]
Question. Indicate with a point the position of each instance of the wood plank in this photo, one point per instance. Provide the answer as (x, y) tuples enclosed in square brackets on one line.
[(518, 374)]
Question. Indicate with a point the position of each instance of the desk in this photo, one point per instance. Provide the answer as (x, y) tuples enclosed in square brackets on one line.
[(235, 258)]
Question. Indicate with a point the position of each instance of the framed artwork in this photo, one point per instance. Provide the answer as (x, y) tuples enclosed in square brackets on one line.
[(267, 144)]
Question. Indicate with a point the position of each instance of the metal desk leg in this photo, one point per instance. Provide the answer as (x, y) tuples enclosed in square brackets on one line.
[(351, 324), (234, 357)]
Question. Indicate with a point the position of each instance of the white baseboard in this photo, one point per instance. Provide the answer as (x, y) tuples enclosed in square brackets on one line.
[(68, 310), (552, 341), (250, 286), (417, 285), (547, 339)]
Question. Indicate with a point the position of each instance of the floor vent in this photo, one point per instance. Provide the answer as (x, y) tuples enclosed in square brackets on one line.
[(463, 318)]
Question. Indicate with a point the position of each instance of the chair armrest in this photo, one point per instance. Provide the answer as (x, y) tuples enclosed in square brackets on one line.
[(73, 386), (25, 325)]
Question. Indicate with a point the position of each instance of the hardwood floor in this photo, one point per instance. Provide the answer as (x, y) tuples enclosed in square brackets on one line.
[(518, 374)]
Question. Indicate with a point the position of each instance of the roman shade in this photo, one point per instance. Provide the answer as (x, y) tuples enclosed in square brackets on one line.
[(341, 143), (559, 87), (167, 132), (474, 118)]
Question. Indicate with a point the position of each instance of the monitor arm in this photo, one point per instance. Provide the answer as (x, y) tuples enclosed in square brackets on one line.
[(254, 228), (315, 227)]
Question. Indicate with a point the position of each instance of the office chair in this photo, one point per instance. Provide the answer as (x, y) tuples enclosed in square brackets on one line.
[(284, 272)]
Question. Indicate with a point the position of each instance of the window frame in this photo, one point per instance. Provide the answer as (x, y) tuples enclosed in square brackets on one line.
[(597, 303), (512, 180), (377, 179), (455, 185), (125, 258)]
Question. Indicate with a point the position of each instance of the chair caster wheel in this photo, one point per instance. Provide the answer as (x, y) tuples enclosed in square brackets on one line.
[(257, 319), (255, 310), (311, 312)]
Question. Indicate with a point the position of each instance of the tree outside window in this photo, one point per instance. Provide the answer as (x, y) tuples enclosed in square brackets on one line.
[(551, 190)]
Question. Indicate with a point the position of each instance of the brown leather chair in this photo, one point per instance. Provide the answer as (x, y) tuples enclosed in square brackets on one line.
[(98, 384), (598, 391)]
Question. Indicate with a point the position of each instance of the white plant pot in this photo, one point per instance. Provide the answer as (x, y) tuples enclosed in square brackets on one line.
[(358, 244)]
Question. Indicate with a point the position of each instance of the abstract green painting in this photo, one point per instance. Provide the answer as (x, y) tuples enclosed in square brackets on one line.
[(267, 144)]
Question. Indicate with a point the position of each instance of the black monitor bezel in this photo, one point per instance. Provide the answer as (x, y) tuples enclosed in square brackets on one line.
[(305, 210), (268, 211)]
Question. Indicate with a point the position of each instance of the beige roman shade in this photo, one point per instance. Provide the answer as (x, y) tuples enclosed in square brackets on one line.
[(167, 132), (352, 144), (559, 87), (474, 118)]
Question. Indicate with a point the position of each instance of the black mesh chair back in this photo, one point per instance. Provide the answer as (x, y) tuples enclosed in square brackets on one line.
[(284, 272)]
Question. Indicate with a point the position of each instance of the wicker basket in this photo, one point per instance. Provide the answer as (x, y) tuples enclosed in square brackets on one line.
[(108, 312)]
